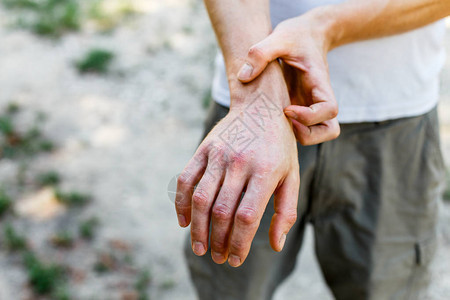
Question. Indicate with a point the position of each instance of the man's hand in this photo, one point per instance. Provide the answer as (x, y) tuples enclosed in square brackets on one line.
[(304, 41), (302, 46), (252, 150)]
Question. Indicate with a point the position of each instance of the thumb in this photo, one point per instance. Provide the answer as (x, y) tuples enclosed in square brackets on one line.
[(259, 56)]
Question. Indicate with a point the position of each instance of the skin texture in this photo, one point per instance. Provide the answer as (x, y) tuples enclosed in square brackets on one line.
[(223, 170), (314, 107), (253, 149), (303, 42)]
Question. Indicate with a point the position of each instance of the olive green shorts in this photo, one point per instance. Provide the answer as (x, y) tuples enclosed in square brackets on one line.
[(371, 196)]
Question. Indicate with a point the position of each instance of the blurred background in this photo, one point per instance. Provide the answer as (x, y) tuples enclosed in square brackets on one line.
[(101, 104)]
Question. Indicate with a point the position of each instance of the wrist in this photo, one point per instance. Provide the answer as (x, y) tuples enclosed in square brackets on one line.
[(271, 82)]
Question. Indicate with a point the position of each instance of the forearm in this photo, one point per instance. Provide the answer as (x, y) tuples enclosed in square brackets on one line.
[(238, 24), (356, 20)]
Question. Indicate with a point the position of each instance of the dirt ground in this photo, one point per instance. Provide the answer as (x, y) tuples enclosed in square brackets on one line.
[(124, 136)]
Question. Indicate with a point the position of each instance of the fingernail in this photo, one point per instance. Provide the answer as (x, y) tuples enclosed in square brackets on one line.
[(217, 256), (282, 241), (245, 72), (234, 260), (290, 114), (182, 220), (198, 248)]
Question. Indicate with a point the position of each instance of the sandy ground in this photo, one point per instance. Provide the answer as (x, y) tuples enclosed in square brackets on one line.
[(124, 136)]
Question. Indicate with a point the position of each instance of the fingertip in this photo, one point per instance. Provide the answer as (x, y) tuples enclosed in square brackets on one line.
[(282, 241), (198, 248), (290, 114), (274, 238), (182, 220), (218, 258), (234, 261), (275, 245), (245, 72)]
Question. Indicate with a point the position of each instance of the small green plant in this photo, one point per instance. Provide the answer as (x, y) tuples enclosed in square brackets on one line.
[(5, 203), (47, 17), (95, 61), (87, 228), (58, 18), (142, 284), (15, 143), (72, 198), (13, 241), (6, 126), (33, 141), (43, 278), (63, 239), (50, 178), (12, 108)]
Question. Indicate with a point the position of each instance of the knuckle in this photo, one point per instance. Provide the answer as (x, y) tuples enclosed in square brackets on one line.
[(291, 217), (221, 212), (181, 204), (257, 52), (197, 233), (247, 216), (238, 158), (218, 151), (218, 245), (237, 246), (334, 111), (183, 178), (200, 198)]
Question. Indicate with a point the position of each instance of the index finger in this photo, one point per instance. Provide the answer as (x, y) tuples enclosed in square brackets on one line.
[(318, 97), (316, 134), (186, 182), (314, 114)]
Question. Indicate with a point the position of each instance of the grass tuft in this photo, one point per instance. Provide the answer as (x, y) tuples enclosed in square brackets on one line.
[(95, 61), (142, 284), (47, 17), (15, 143), (43, 278), (72, 198), (14, 241), (50, 178), (12, 108), (87, 228), (5, 203)]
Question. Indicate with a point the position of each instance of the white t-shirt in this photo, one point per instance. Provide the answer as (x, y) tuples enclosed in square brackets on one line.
[(373, 80)]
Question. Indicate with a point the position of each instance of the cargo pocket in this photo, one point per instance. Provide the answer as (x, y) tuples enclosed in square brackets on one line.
[(424, 252), (403, 272)]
